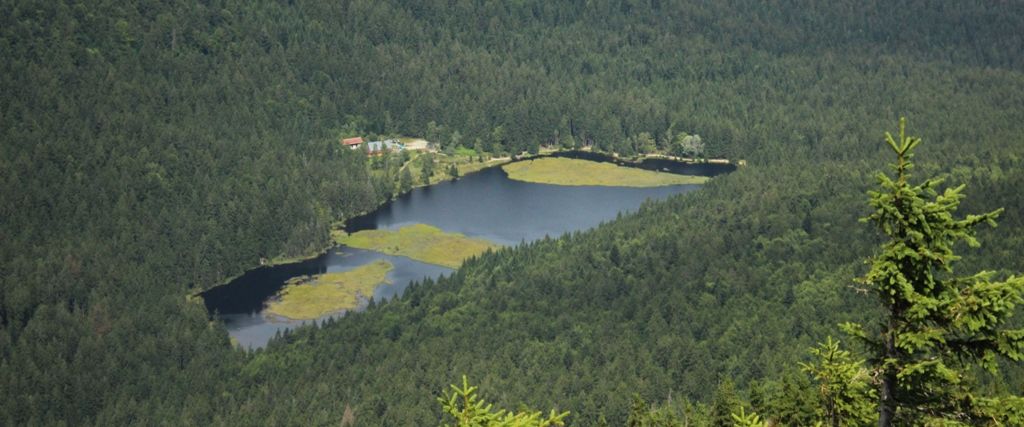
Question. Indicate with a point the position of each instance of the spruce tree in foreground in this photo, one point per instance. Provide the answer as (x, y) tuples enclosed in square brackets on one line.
[(938, 327), (844, 388), (469, 410)]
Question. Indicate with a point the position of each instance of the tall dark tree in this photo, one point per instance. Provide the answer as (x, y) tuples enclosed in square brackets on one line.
[(724, 403), (426, 168), (405, 181)]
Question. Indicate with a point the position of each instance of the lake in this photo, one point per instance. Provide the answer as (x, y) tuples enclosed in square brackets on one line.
[(485, 205)]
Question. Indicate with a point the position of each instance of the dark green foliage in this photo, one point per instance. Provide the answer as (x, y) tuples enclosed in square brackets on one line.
[(146, 153), (793, 400), (534, 148), (149, 150), (405, 183), (669, 415), (724, 403), (426, 168)]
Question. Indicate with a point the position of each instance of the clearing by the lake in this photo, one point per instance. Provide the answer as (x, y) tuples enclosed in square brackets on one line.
[(465, 164), (563, 171), (420, 242), (306, 298)]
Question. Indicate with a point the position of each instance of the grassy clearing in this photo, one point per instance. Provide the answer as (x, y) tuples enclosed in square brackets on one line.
[(420, 242), (308, 298), (561, 171), (466, 152), (466, 165)]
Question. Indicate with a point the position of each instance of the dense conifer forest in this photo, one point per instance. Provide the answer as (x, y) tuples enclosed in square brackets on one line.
[(153, 149)]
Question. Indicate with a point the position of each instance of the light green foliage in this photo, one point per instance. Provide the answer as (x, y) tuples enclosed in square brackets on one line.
[(568, 141), (468, 410), (937, 325), (688, 145), (644, 143), (468, 151), (847, 398), (744, 419)]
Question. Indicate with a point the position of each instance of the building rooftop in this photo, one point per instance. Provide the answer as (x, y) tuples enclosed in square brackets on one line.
[(352, 141), (391, 145)]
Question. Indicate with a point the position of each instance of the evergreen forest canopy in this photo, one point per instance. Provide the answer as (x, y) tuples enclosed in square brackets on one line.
[(149, 150)]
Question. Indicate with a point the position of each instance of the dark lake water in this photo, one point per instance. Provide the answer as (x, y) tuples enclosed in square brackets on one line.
[(486, 205), (239, 304)]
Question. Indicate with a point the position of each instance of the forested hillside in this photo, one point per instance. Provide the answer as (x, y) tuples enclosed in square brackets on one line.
[(152, 149)]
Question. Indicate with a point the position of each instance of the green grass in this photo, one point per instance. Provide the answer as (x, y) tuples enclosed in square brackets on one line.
[(308, 298), (463, 151), (561, 171), (420, 242)]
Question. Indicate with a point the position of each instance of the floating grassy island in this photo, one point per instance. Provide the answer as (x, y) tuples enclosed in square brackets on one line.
[(312, 297), (563, 171), (420, 242)]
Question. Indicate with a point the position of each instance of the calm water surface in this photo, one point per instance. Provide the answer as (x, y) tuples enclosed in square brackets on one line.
[(485, 205), (240, 303)]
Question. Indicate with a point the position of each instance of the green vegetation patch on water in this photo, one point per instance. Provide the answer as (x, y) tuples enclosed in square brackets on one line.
[(562, 171), (312, 297), (420, 242)]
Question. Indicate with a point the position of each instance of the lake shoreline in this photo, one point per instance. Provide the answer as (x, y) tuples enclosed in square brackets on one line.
[(597, 156), (485, 205)]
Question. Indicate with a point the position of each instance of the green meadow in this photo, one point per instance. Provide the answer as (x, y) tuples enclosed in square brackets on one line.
[(420, 242), (306, 297), (561, 171)]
